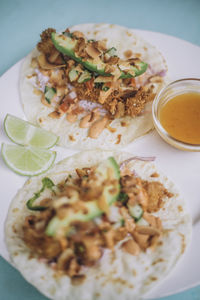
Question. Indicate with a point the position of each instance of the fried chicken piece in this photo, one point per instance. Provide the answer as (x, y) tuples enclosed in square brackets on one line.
[(46, 45), (156, 193)]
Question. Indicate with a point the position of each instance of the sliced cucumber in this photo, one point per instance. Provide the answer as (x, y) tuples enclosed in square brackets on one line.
[(73, 75), (85, 76), (112, 51), (49, 92), (136, 211)]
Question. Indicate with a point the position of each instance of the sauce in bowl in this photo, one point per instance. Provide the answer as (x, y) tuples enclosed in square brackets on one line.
[(180, 117)]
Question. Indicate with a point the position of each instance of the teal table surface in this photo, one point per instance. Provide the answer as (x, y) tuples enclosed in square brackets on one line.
[(21, 21)]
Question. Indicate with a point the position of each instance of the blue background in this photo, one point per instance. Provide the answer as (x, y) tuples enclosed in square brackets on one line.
[(21, 22)]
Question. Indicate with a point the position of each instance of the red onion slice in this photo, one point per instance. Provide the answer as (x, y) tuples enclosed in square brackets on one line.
[(142, 158)]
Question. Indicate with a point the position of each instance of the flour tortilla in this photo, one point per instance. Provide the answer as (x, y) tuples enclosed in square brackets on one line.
[(71, 135), (117, 276)]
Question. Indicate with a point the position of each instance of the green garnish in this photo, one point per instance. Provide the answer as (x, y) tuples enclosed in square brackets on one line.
[(98, 85), (105, 88), (49, 93), (123, 197), (122, 221), (46, 183), (112, 51)]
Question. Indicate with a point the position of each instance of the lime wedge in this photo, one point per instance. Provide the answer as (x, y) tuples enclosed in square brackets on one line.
[(27, 160), (24, 133)]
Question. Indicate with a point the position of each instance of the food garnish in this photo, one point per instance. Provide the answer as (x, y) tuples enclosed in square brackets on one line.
[(31, 156), (27, 160), (25, 133), (46, 183)]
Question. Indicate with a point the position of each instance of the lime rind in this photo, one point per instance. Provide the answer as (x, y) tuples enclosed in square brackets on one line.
[(38, 159), (24, 133)]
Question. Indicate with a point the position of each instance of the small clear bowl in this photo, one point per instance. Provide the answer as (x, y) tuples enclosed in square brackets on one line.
[(182, 86)]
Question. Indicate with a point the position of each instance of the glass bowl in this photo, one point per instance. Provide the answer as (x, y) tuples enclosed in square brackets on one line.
[(182, 86)]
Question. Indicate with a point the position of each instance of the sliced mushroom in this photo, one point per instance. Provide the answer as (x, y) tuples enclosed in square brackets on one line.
[(44, 64)]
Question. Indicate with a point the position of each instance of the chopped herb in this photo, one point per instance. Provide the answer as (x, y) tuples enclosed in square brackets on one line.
[(105, 88), (46, 183), (98, 85), (91, 40), (123, 197), (122, 221)]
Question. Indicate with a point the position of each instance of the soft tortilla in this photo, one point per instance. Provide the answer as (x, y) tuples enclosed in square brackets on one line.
[(71, 135), (119, 275)]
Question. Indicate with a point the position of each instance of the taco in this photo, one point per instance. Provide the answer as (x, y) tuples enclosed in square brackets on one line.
[(99, 225), (92, 85)]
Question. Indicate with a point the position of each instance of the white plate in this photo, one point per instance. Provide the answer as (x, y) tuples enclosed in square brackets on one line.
[(183, 60)]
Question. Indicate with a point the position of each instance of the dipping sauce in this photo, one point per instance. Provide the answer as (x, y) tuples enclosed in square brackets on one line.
[(180, 117)]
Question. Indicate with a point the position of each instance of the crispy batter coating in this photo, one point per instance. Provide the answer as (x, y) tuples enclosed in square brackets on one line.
[(46, 45)]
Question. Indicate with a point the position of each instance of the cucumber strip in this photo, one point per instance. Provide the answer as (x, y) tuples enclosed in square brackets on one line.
[(136, 211), (49, 93), (112, 51), (85, 76), (73, 75)]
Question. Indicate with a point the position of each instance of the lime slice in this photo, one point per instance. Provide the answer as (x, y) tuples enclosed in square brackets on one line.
[(24, 133), (27, 160)]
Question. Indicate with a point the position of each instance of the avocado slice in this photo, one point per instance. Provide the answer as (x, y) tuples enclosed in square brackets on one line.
[(66, 45), (138, 69), (92, 207)]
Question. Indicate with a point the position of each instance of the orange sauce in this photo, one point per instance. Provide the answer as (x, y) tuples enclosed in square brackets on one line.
[(180, 117)]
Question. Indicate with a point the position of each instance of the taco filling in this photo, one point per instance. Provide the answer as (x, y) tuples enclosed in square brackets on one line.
[(81, 77), (99, 208), (92, 85)]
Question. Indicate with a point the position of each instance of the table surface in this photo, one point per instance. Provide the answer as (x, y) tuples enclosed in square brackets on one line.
[(21, 22)]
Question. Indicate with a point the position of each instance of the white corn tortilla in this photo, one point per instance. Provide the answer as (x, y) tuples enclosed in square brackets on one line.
[(117, 276), (71, 135)]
